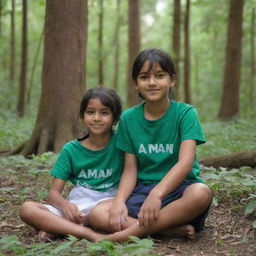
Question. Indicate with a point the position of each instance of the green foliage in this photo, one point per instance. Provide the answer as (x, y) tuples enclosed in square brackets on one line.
[(226, 137), (74, 246)]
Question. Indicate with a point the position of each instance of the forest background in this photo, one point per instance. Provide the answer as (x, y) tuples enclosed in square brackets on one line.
[(202, 81)]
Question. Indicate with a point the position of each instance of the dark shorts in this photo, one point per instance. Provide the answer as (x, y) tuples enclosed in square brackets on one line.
[(141, 192)]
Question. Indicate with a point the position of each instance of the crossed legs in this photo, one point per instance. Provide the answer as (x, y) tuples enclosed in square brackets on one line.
[(172, 218), (39, 217)]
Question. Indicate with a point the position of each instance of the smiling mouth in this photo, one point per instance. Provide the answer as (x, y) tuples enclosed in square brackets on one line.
[(153, 90)]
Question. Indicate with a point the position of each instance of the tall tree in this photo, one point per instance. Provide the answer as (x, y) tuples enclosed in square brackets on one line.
[(24, 56), (133, 46), (1, 7), (252, 66), (13, 46), (63, 76), (176, 42), (187, 54), (231, 83), (100, 43), (35, 64), (116, 44)]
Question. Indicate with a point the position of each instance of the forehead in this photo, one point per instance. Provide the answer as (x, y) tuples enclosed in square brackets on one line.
[(96, 103), (150, 67)]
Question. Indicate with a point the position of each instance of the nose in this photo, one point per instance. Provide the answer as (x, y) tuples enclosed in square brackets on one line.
[(96, 116), (152, 80)]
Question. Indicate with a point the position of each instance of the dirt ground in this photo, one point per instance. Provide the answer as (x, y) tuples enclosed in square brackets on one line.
[(227, 232)]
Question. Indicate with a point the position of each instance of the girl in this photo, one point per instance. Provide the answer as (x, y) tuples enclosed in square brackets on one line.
[(160, 184), (92, 164)]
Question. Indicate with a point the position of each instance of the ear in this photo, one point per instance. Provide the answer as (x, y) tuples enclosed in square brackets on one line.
[(173, 81)]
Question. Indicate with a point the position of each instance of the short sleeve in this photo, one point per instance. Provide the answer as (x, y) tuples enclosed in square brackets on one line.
[(62, 168), (123, 140), (190, 127)]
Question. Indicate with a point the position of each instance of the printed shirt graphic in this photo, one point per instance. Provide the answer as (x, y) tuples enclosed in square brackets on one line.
[(95, 169), (156, 143)]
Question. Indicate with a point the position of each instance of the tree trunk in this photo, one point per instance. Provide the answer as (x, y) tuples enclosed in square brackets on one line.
[(133, 47), (100, 44), (231, 83), (24, 56), (117, 46), (13, 47), (31, 81), (1, 7), (252, 71), (63, 76), (176, 43), (187, 54), (233, 160)]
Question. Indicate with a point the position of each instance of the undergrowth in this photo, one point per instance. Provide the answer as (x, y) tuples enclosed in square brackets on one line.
[(237, 185)]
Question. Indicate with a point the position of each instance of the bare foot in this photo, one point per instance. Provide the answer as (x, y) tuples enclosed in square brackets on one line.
[(45, 237), (184, 230)]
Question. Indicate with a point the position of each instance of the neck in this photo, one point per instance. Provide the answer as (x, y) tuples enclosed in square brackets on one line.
[(97, 142), (154, 110)]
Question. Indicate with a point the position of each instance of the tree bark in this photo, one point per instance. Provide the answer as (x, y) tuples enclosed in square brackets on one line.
[(116, 44), (1, 7), (252, 66), (100, 43), (31, 81), (133, 47), (13, 47), (176, 43), (24, 61), (187, 54), (233, 160), (63, 76), (231, 83)]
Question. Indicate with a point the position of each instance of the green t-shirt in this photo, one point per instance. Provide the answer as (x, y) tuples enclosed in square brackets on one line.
[(156, 143), (95, 169)]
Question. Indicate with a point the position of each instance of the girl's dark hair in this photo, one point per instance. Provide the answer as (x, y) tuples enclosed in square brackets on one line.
[(153, 56), (108, 98)]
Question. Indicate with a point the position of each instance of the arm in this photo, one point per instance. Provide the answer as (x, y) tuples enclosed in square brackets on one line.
[(126, 186), (150, 209), (70, 210)]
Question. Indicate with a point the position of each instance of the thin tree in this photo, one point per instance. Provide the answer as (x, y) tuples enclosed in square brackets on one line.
[(24, 57), (1, 7), (100, 43), (33, 70), (187, 54), (116, 43), (231, 83), (13, 46), (133, 46), (63, 77), (176, 42), (252, 54)]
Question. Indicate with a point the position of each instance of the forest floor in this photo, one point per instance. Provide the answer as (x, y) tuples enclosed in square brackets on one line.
[(228, 230)]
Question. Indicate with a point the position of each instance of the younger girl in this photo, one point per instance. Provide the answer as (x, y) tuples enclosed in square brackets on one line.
[(160, 184), (92, 164)]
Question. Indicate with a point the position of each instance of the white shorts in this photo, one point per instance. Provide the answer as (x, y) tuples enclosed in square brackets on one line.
[(85, 199)]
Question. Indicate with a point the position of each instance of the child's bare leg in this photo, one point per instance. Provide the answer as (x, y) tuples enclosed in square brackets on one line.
[(39, 217), (194, 201), (99, 217)]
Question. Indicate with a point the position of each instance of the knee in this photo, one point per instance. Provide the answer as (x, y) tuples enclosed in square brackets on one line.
[(26, 210), (202, 194), (98, 217)]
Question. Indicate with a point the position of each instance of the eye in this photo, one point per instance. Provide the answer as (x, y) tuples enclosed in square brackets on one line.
[(106, 113), (160, 75), (89, 112), (143, 77)]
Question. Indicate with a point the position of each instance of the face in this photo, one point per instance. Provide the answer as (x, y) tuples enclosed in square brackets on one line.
[(98, 118), (154, 84)]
